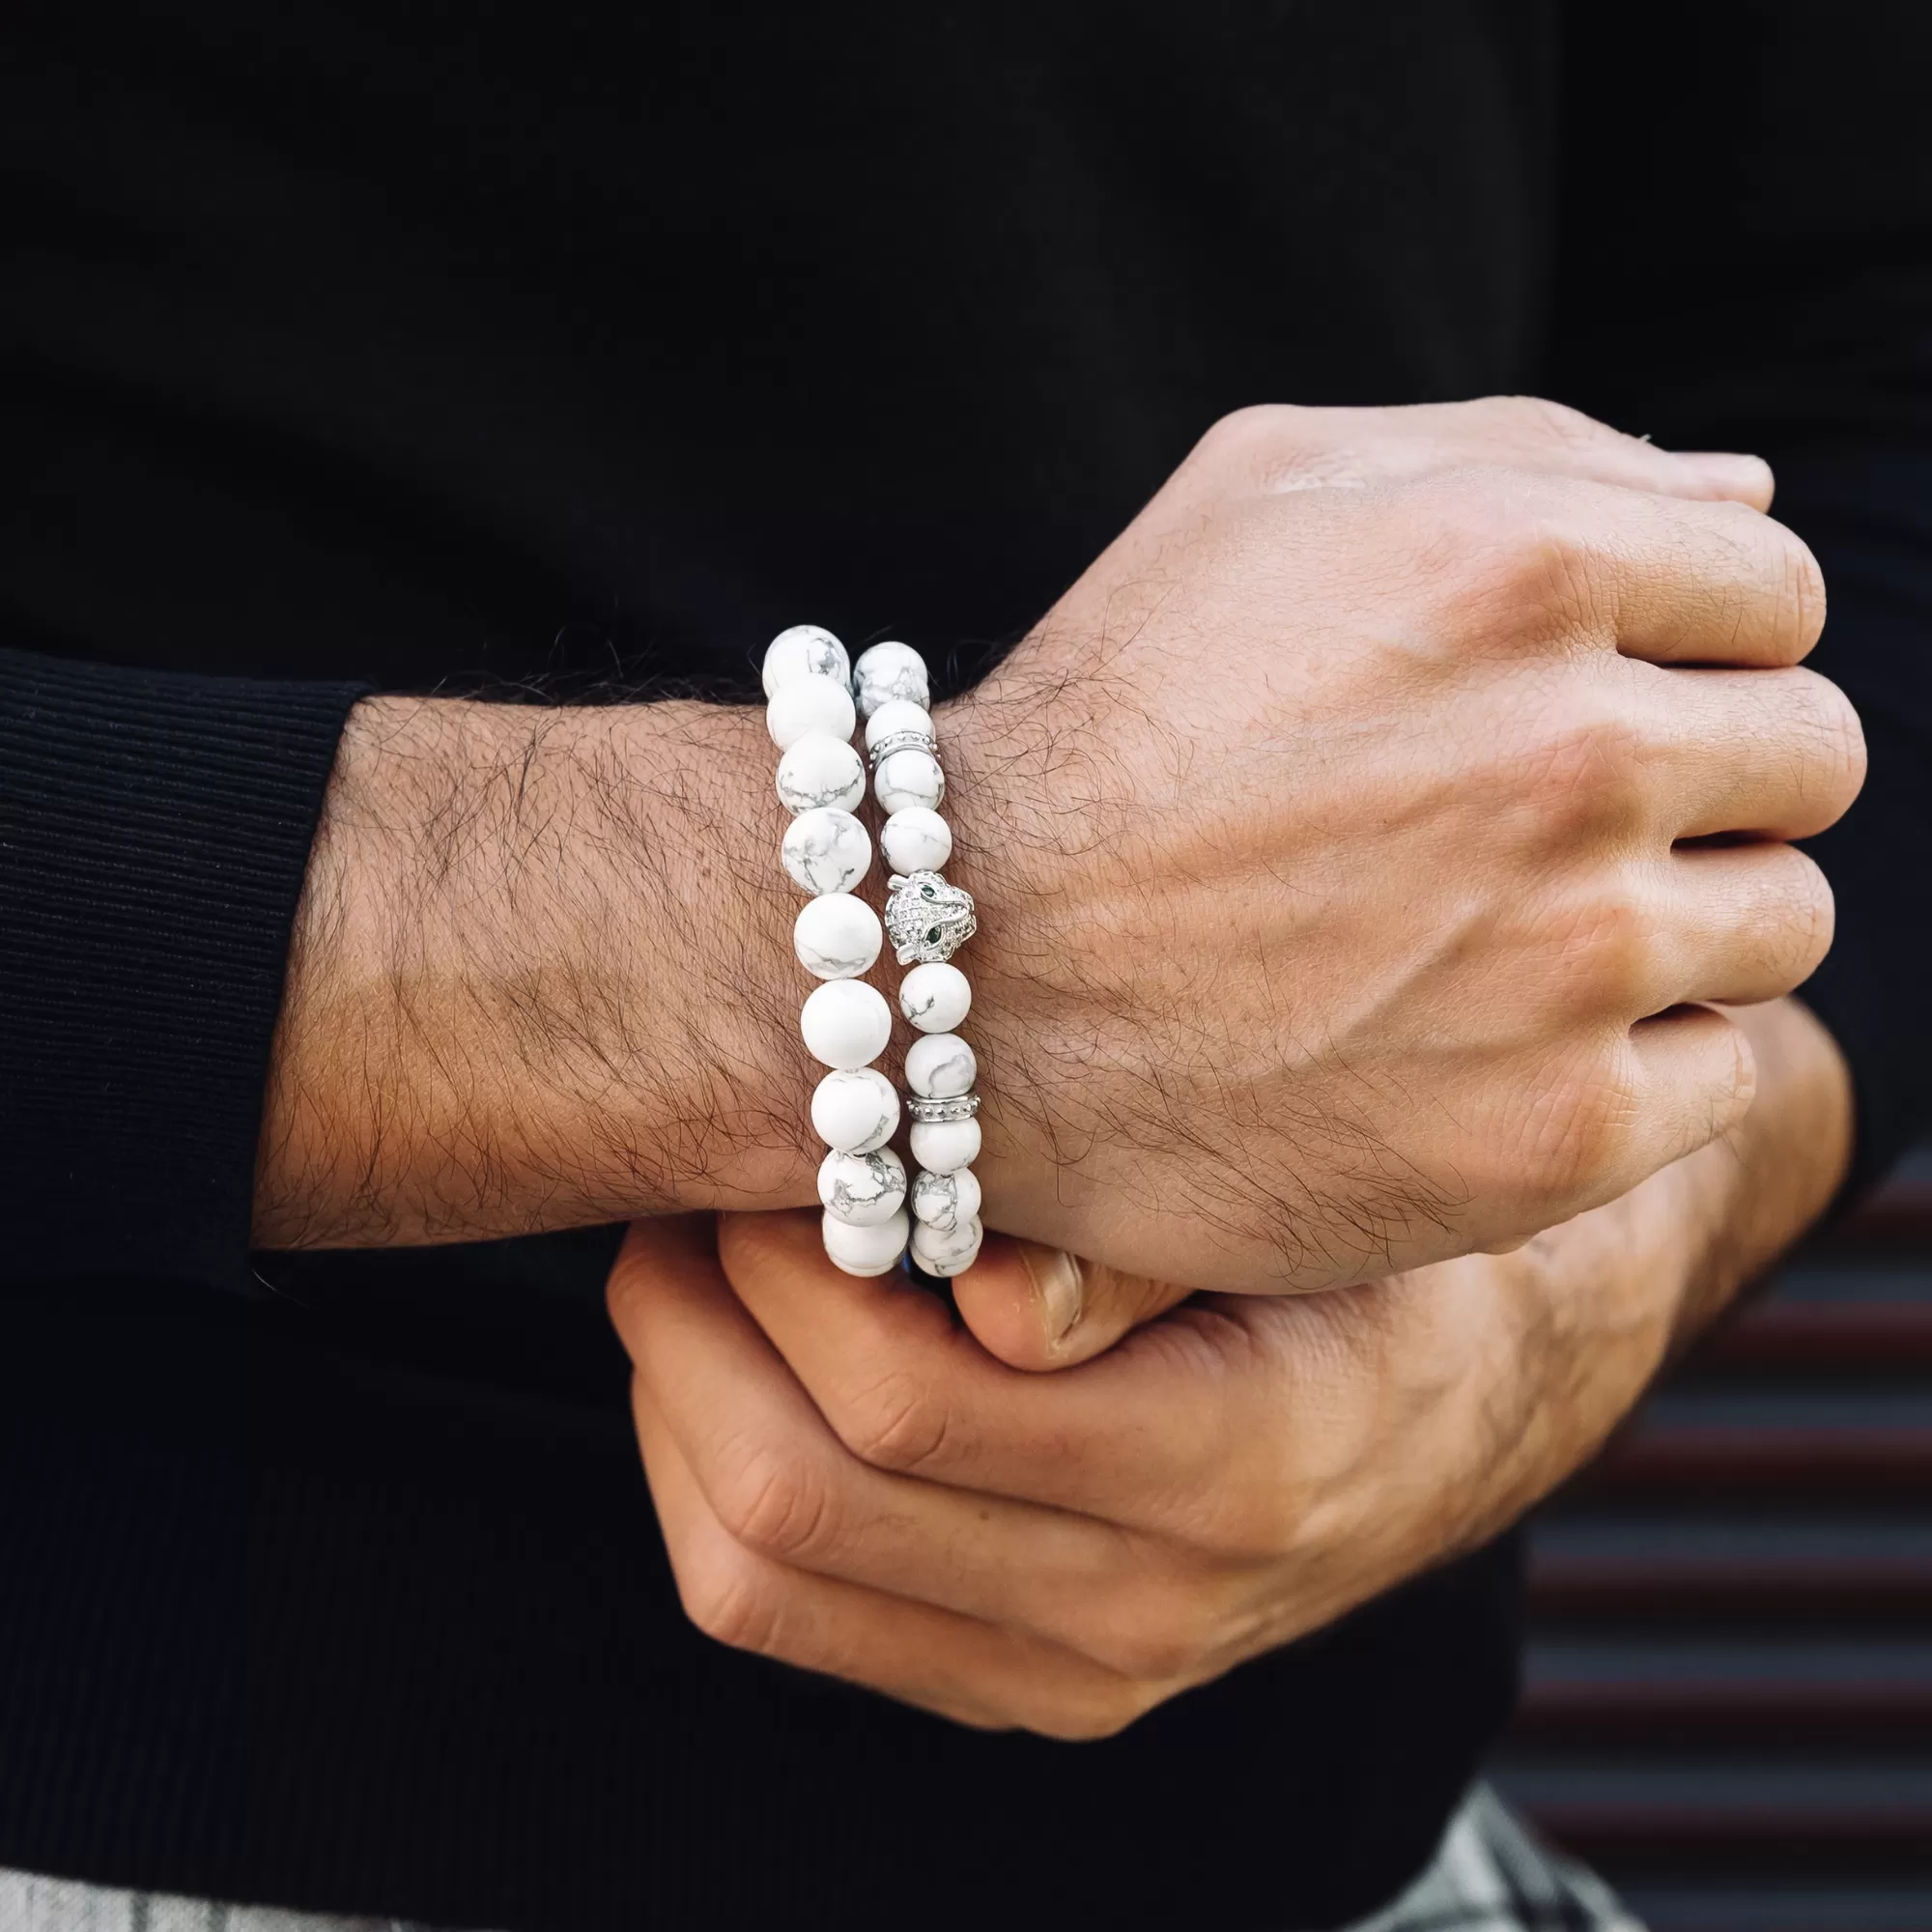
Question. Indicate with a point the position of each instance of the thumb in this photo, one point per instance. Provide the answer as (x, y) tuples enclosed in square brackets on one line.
[(1037, 1307)]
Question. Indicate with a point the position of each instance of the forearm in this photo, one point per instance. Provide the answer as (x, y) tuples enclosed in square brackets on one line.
[(541, 977)]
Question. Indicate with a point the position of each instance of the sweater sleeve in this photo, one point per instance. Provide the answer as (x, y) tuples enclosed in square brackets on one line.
[(1746, 263), (155, 829)]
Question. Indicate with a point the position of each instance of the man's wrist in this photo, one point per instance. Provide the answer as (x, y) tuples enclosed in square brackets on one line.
[(541, 977)]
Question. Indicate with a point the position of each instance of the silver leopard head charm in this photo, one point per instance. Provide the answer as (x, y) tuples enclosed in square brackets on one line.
[(927, 919)]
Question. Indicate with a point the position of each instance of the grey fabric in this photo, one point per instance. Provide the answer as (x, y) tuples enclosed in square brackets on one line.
[(29, 1903), (1490, 1876)]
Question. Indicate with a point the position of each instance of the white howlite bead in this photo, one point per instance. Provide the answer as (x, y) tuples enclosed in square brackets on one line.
[(935, 997), (939, 1066), (946, 1252), (945, 1146), (846, 1023), (890, 719), (915, 840), (874, 1250), (855, 1111), (889, 671), (804, 651), (863, 1189), (827, 850), (836, 937), (909, 778), (809, 705), (821, 771), (943, 1201)]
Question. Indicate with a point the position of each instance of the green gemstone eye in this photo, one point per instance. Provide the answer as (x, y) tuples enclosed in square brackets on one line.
[(932, 935), (926, 891)]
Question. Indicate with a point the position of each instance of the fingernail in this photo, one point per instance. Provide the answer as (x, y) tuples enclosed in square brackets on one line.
[(1748, 475), (1055, 1275)]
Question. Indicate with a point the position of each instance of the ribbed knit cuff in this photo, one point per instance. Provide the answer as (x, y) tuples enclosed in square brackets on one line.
[(155, 830)]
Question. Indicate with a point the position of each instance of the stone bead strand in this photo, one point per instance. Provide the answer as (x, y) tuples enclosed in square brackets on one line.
[(846, 1024), (927, 921)]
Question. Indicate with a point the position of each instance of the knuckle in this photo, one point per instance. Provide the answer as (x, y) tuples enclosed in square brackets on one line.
[(1272, 446), (1723, 1084), (1510, 557), (1847, 736), (1798, 925), (1581, 773), (1741, 1086), (1246, 1522), (1838, 744), (732, 1601), (1161, 1645), (1089, 1716), (898, 1422), (1541, 420), (778, 1504), (1257, 426), (1802, 586), (1575, 1130), (1607, 951), (1549, 570)]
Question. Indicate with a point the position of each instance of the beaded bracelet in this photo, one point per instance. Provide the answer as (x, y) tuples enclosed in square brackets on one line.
[(927, 921), (862, 1182)]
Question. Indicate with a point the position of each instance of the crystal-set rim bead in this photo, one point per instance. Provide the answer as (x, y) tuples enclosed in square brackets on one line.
[(958, 1107), (902, 741)]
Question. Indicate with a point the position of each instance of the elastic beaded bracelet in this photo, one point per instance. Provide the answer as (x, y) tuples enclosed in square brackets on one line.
[(846, 1024), (862, 1183), (927, 921)]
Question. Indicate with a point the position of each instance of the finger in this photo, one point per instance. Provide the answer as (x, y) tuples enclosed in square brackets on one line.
[(964, 1670), (656, 1248), (1036, 1307), (1144, 1435), (1792, 752), (1723, 475), (1695, 1078), (1747, 923), (1670, 580), (1717, 584), (786, 1488), (1282, 448), (1665, 1087), (1534, 433), (1674, 1083)]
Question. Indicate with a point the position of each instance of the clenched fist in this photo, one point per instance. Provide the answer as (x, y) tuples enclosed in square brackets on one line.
[(1347, 842), (1352, 841)]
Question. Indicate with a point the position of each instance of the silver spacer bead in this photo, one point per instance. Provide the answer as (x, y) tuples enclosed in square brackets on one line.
[(961, 1107), (902, 741)]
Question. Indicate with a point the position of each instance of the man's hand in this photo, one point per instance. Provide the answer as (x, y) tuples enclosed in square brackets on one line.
[(1350, 840), (848, 1482), (1324, 841)]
